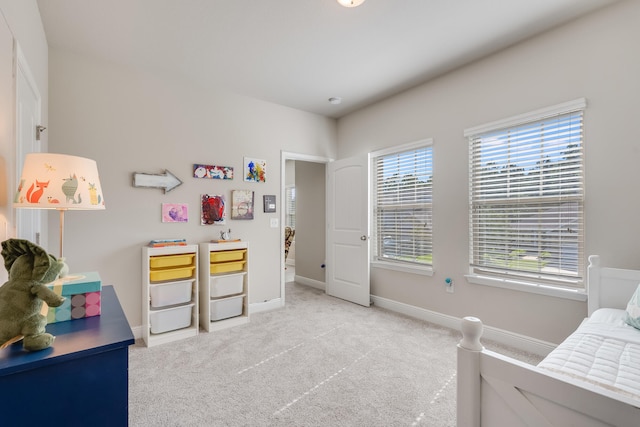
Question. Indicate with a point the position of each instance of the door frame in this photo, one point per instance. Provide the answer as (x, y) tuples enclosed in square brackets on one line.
[(284, 156), (38, 219)]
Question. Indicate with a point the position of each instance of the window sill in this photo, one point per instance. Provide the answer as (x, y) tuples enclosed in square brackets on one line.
[(425, 271), (534, 288)]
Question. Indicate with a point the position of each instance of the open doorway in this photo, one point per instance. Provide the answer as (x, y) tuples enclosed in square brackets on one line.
[(307, 174)]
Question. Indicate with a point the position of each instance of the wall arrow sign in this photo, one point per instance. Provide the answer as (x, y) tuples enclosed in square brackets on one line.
[(166, 180)]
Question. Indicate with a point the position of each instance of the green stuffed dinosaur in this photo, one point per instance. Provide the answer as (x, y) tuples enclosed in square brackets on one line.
[(30, 268)]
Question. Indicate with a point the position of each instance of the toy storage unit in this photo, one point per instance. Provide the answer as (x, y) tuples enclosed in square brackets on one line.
[(169, 293), (224, 290)]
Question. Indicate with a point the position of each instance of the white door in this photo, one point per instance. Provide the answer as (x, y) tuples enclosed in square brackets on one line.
[(28, 102), (348, 230)]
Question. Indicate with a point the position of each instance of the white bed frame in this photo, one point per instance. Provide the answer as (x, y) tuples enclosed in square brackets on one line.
[(494, 390)]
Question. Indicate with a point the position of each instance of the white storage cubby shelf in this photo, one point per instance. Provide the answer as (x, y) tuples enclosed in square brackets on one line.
[(224, 290), (169, 293)]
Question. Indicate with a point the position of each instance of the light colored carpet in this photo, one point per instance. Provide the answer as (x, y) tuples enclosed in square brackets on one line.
[(319, 361)]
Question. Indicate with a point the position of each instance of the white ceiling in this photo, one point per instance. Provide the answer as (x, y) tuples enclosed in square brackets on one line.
[(299, 53)]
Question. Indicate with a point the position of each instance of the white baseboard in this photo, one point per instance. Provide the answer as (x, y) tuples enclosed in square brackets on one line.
[(137, 332), (501, 336), (311, 282), (273, 304)]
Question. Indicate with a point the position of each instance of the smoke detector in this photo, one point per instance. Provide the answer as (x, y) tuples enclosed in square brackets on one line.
[(350, 3)]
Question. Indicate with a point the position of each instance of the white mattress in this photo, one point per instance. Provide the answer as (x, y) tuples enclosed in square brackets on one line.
[(604, 350)]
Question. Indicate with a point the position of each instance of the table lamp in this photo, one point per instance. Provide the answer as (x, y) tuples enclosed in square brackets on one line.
[(59, 181)]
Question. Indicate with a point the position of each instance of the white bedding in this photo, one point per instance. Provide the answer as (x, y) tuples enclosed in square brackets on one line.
[(604, 350)]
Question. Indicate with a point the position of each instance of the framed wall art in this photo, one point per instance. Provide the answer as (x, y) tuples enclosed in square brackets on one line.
[(212, 171), (269, 201), (175, 212), (242, 204), (213, 210), (255, 170)]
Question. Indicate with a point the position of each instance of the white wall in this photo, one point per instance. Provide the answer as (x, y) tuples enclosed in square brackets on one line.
[(310, 220), (595, 57), (23, 18), (136, 121)]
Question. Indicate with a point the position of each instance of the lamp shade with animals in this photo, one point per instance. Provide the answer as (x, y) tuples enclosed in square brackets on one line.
[(59, 181)]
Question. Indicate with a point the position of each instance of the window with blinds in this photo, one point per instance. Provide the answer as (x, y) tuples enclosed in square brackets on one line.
[(402, 199), (290, 207), (526, 196)]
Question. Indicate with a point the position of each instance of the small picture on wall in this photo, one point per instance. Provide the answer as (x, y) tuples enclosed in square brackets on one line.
[(242, 204), (255, 170), (269, 203), (212, 171), (213, 210), (175, 212)]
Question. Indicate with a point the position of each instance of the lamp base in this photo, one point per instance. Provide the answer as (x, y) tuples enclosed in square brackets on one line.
[(64, 272)]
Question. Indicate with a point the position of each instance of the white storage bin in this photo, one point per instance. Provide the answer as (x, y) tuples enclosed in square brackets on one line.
[(170, 293), (169, 319), (228, 284), (226, 307)]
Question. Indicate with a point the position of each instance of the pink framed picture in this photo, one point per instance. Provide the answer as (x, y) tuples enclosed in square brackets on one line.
[(175, 212)]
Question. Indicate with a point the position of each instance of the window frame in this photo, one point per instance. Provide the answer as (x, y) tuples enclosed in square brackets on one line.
[(566, 287), (392, 264)]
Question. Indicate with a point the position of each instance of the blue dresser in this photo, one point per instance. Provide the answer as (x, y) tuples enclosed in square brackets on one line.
[(82, 380)]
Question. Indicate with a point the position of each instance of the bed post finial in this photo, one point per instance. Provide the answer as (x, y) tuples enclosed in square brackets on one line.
[(471, 332), (468, 389), (594, 260)]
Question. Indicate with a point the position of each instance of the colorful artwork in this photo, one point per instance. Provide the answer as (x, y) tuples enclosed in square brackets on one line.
[(213, 210), (212, 171), (255, 170), (175, 212), (242, 204)]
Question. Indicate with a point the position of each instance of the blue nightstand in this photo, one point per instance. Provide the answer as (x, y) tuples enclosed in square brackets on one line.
[(82, 380)]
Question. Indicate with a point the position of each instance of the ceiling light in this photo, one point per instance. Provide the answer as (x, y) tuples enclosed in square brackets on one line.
[(335, 100), (350, 3)]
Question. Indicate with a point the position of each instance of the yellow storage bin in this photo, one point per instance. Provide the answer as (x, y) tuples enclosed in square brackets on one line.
[(224, 256), (165, 274), (164, 261), (226, 267)]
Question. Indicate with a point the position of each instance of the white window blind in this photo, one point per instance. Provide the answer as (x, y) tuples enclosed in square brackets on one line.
[(526, 198), (290, 206), (402, 205)]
